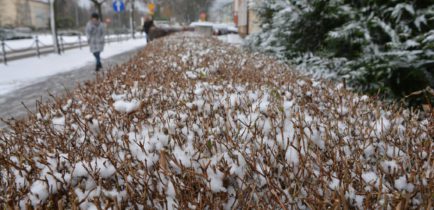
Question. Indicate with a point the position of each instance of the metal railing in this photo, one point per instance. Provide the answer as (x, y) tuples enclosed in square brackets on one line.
[(38, 48)]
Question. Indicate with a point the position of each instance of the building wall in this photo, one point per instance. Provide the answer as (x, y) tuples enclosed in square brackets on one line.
[(8, 13), (23, 13), (242, 13), (243, 17), (247, 19), (253, 22), (236, 9), (40, 14), (29, 13)]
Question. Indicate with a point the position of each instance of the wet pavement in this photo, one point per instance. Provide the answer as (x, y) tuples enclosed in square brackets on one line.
[(13, 105)]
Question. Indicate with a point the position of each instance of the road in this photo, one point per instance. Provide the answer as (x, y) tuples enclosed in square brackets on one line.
[(11, 105)]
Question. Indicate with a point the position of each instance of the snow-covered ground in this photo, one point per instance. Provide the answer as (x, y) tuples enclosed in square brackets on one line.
[(47, 40), (44, 39), (27, 71)]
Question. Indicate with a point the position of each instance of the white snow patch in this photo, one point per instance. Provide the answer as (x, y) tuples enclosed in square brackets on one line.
[(127, 106)]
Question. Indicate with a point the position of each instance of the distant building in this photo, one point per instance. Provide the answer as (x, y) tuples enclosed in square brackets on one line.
[(24, 13), (245, 17)]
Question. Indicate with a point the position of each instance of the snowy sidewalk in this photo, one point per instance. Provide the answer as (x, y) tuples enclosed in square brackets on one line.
[(21, 73), (25, 81)]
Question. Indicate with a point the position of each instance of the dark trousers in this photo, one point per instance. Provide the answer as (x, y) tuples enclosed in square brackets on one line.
[(98, 59)]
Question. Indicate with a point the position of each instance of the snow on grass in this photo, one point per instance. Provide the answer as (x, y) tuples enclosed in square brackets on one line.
[(251, 133), (127, 106)]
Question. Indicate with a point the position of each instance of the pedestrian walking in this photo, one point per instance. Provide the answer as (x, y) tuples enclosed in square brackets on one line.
[(147, 26), (95, 38)]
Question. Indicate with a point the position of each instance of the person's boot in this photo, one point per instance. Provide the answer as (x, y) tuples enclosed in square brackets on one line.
[(98, 67)]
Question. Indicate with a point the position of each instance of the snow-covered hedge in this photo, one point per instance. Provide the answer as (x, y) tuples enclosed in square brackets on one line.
[(376, 45), (192, 123)]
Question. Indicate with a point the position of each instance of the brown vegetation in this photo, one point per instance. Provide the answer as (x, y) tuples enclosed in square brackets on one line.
[(193, 123)]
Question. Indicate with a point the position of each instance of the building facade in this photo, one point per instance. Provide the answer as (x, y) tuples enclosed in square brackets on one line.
[(24, 13), (40, 14), (245, 17)]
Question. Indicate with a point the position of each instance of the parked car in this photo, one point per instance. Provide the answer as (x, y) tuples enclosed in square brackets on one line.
[(9, 34), (25, 30), (5, 34), (162, 23), (218, 28), (70, 33)]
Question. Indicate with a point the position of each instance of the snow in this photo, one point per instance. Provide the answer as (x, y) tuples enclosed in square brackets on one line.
[(58, 123), (389, 166), (371, 178), (202, 23), (101, 166), (39, 192), (21, 73), (256, 135), (47, 40), (117, 97), (127, 106), (292, 156), (216, 26), (232, 39), (191, 75), (402, 184), (397, 11), (382, 126), (334, 184), (44, 39), (408, 46), (429, 37), (216, 180), (171, 195)]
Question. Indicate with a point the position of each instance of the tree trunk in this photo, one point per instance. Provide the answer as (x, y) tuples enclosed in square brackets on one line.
[(99, 7)]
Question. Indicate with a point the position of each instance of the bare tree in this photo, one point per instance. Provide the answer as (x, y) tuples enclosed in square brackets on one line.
[(72, 14), (98, 4), (186, 10)]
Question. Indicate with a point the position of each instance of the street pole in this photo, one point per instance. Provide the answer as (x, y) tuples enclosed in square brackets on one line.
[(132, 19), (5, 58), (77, 22), (53, 27)]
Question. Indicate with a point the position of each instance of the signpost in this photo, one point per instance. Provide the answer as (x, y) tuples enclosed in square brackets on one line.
[(132, 18), (118, 6), (151, 7)]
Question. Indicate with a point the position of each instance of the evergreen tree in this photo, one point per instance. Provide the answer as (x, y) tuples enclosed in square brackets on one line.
[(376, 44)]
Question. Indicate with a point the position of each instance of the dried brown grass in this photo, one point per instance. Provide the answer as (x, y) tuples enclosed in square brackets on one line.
[(157, 77)]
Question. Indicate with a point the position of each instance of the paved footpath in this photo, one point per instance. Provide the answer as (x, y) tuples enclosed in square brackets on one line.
[(11, 104)]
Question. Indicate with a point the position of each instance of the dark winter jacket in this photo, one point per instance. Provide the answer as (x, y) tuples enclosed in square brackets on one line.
[(147, 26)]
